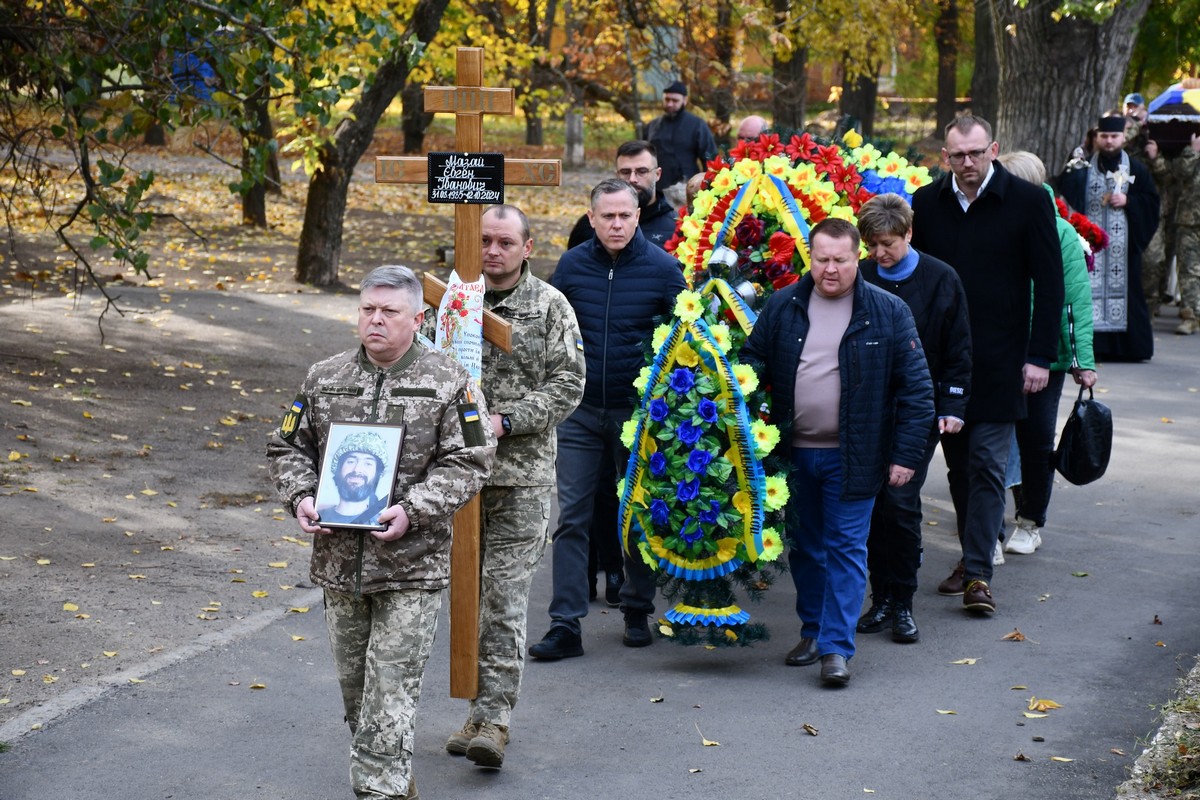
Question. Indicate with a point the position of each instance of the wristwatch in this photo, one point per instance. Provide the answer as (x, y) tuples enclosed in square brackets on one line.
[(506, 424)]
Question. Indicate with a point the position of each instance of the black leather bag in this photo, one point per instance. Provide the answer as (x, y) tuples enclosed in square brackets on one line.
[(1086, 441)]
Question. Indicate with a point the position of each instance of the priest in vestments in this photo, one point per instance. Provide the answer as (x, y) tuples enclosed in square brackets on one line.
[(1117, 194)]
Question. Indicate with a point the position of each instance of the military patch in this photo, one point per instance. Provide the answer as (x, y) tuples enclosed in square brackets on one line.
[(342, 391), (291, 420), (472, 425), (579, 344)]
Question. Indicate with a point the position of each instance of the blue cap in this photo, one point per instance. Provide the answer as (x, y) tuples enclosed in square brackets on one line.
[(1135, 99)]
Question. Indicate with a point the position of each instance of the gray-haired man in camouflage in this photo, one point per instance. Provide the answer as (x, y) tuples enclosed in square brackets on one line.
[(383, 588), (530, 390)]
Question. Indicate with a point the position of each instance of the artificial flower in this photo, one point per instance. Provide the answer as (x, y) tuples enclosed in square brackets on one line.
[(660, 336), (765, 437), (772, 545), (686, 491), (777, 492), (647, 556), (658, 409), (741, 502), (710, 516), (689, 306), (660, 512), (698, 461), (749, 231), (642, 380), (628, 433), (747, 378), (852, 138), (682, 380), (688, 434), (658, 464), (686, 355), (707, 410), (782, 247), (720, 335)]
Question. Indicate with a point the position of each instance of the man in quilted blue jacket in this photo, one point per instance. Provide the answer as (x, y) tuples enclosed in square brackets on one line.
[(848, 376)]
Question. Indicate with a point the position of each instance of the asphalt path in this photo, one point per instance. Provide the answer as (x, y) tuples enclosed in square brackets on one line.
[(622, 723)]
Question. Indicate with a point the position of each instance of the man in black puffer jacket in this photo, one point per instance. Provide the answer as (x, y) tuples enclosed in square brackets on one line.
[(637, 162), (848, 374), (619, 285)]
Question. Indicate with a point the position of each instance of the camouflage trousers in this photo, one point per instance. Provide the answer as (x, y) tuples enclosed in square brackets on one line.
[(516, 520), (380, 643), (1188, 253), (1156, 260)]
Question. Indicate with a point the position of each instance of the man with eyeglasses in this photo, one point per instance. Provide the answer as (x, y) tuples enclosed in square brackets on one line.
[(998, 233), (637, 164)]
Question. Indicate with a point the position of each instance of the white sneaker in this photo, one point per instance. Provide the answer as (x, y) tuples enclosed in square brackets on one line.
[(1024, 540), (998, 554)]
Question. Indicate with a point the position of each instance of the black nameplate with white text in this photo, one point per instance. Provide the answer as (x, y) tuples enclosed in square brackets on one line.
[(466, 178)]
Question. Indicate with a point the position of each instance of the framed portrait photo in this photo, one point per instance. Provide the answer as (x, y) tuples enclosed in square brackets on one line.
[(358, 471)]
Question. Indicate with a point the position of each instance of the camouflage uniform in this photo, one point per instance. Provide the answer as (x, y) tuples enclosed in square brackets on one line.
[(1186, 170), (382, 598), (1156, 259), (537, 386)]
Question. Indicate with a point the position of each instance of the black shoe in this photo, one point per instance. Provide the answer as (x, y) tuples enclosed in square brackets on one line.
[(878, 616), (803, 654), (592, 591), (560, 642), (637, 630), (834, 671), (904, 627), (613, 581)]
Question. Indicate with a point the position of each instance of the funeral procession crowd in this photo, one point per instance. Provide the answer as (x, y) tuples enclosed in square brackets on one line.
[(950, 319)]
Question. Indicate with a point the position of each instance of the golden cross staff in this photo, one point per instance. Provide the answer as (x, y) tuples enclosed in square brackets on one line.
[(469, 100)]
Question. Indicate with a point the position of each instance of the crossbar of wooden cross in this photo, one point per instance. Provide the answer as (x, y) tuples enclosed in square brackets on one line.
[(469, 100)]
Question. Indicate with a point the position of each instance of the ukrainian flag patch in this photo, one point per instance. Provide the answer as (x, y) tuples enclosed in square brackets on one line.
[(291, 420), (472, 425)]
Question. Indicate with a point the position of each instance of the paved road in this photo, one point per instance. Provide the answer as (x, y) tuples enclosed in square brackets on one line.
[(587, 727)]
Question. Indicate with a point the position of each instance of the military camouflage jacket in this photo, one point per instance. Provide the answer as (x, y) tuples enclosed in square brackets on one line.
[(538, 385), (445, 459)]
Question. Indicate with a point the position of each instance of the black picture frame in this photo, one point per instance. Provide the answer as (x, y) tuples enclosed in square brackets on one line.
[(380, 441)]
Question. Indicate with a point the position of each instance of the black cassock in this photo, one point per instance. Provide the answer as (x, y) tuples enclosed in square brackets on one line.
[(1136, 342)]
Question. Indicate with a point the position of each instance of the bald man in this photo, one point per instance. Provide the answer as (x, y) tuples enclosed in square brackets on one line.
[(751, 128)]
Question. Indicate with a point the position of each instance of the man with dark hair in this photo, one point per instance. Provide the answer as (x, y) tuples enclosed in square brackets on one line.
[(1118, 194), (618, 284), (934, 294), (998, 234), (846, 369), (637, 164), (530, 390), (358, 464), (684, 142), (383, 588)]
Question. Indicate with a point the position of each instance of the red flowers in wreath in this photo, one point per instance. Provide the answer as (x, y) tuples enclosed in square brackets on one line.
[(1095, 238)]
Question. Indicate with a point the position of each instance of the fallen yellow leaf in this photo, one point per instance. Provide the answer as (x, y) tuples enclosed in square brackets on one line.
[(945, 711), (228, 421), (1032, 715), (110, 653), (49, 679), (21, 403), (1060, 758), (967, 661), (258, 686), (70, 607), (1160, 644), (43, 562), (87, 415), (706, 742), (1116, 752), (260, 593), (298, 610), (1015, 636), (16, 673), (297, 638), (8, 558), (137, 577), (136, 680), (108, 519), (149, 492), (13, 455), (88, 565), (277, 565), (1042, 704)]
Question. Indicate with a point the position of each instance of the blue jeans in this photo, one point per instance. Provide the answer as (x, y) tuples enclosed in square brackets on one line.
[(828, 555), (585, 439)]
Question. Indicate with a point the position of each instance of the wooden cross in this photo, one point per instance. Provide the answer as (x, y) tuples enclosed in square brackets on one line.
[(469, 100)]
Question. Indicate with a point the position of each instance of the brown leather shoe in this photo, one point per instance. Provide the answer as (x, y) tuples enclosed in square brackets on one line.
[(803, 654), (978, 597), (953, 586)]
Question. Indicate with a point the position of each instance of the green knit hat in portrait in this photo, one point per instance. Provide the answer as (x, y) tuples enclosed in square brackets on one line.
[(362, 442)]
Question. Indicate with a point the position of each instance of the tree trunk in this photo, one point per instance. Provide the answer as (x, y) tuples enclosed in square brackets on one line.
[(254, 201), (985, 87), (945, 32), (1058, 77), (413, 119), (725, 46), (266, 130), (573, 152), (155, 136), (858, 100), (790, 77), (320, 248)]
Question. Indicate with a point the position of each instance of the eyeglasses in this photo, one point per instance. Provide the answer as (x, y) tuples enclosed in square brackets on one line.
[(626, 174), (958, 158)]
